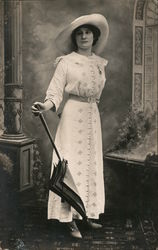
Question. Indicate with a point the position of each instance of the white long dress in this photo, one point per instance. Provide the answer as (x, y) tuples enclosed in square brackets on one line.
[(78, 136)]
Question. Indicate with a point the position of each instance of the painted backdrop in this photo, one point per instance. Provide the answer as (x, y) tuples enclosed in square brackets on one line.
[(42, 21)]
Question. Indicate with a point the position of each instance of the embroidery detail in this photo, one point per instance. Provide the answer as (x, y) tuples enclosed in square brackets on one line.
[(80, 64), (99, 69), (80, 110), (80, 121), (94, 204), (79, 173), (92, 214)]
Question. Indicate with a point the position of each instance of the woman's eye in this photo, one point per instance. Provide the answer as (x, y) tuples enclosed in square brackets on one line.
[(79, 33)]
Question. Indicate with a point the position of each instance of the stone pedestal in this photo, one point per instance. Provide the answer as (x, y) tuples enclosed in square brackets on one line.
[(13, 143), (20, 152)]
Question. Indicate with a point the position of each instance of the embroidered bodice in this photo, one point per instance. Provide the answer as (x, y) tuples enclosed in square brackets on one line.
[(79, 75)]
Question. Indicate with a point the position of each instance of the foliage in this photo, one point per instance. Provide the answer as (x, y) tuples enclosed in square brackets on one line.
[(6, 163), (136, 125), (39, 179)]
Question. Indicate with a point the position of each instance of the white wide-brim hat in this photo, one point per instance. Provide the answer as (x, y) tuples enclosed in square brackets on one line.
[(64, 41)]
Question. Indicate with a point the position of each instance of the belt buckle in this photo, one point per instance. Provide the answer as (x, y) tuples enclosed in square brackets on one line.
[(91, 99)]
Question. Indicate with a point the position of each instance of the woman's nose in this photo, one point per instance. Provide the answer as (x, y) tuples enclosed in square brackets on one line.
[(83, 35)]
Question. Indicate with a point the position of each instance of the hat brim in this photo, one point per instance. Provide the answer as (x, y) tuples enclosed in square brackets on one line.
[(64, 41)]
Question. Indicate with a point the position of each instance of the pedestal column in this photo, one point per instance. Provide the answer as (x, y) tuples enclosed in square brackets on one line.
[(13, 70), (13, 142)]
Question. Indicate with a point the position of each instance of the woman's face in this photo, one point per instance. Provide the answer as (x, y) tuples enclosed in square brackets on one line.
[(84, 38)]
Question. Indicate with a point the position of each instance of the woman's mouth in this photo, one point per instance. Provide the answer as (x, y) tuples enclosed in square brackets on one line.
[(84, 41)]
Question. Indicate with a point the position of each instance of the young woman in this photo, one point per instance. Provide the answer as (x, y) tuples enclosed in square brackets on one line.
[(80, 73)]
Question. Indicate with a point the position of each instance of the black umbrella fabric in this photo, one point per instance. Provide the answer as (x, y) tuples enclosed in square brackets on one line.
[(61, 181)]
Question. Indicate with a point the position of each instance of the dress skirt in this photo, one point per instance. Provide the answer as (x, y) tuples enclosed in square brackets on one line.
[(79, 140)]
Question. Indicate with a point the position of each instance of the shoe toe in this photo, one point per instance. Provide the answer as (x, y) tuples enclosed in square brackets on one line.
[(76, 234), (96, 226), (93, 225), (73, 230)]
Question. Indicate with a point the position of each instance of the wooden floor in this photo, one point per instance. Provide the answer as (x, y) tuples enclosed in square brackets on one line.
[(119, 232)]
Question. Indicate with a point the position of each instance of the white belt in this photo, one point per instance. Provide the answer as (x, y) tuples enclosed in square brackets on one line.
[(89, 99)]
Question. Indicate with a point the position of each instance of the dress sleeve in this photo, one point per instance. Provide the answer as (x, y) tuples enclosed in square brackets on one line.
[(57, 84)]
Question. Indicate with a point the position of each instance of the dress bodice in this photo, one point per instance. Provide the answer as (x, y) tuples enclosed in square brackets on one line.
[(79, 75)]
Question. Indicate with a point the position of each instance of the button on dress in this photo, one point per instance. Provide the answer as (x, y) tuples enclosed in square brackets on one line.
[(78, 137)]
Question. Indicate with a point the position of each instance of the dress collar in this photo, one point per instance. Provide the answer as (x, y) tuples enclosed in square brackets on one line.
[(83, 56)]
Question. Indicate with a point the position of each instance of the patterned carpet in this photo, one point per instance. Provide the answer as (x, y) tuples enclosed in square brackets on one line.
[(118, 233)]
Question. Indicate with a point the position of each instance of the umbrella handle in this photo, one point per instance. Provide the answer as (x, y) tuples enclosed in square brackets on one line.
[(48, 132)]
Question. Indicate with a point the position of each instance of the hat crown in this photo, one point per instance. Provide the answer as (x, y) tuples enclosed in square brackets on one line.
[(88, 17)]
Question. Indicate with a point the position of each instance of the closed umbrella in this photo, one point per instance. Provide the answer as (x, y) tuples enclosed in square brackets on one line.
[(61, 181)]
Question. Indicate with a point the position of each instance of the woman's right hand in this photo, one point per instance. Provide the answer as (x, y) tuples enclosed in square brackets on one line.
[(38, 107)]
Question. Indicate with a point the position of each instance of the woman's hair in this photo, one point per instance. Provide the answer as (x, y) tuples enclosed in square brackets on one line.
[(94, 29)]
